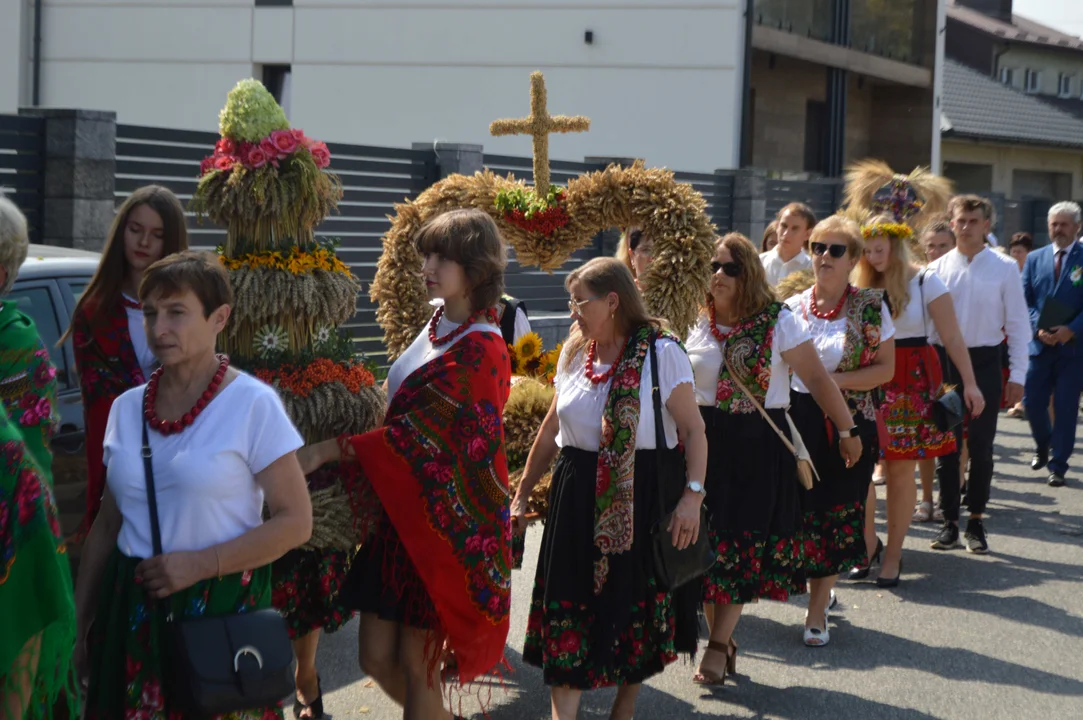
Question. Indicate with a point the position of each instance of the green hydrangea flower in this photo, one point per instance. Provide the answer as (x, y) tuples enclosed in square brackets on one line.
[(251, 113)]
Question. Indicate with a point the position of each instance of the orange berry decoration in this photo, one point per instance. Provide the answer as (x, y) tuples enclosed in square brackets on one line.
[(302, 381)]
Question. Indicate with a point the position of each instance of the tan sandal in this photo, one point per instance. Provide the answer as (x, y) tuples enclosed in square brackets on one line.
[(709, 677)]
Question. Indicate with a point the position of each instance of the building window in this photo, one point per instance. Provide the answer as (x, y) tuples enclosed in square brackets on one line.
[(816, 119), (1007, 76), (276, 78), (274, 3), (1064, 85), (1034, 81)]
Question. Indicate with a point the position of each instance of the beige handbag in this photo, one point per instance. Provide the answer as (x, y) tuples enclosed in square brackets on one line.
[(806, 471)]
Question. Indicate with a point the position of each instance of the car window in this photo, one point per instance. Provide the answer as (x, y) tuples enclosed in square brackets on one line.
[(37, 302), (78, 287)]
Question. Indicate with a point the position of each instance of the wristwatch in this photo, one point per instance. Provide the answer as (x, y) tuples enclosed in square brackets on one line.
[(848, 433), (696, 487)]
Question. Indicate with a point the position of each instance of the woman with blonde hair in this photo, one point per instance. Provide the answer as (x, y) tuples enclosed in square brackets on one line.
[(597, 616), (915, 296), (742, 349)]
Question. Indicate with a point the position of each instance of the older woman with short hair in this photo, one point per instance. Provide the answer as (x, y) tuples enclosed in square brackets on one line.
[(37, 613), (221, 445)]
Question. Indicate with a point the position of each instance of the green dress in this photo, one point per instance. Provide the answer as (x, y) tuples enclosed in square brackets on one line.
[(37, 609)]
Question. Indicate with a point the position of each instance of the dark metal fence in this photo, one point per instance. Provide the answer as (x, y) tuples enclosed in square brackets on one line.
[(22, 167)]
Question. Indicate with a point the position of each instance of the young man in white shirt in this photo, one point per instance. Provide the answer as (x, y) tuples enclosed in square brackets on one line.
[(987, 291), (795, 223)]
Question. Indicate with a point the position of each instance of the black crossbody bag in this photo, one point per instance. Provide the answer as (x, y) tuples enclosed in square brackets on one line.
[(224, 664), (672, 567)]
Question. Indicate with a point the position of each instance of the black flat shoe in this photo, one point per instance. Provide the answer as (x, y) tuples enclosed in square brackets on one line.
[(883, 582), (316, 706), (862, 571), (1056, 480), (1040, 459)]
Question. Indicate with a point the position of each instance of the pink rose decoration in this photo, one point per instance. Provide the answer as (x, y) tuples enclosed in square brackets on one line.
[(255, 158), (476, 449), (299, 136), (268, 147), (284, 141), (225, 162), (473, 544), (320, 154), (225, 146), (490, 547)]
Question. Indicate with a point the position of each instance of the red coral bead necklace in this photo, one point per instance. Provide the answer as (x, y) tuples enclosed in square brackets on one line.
[(167, 427), (437, 341), (719, 336), (831, 315), (592, 355)]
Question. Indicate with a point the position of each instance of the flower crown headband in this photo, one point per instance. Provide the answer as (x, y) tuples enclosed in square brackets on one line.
[(895, 231)]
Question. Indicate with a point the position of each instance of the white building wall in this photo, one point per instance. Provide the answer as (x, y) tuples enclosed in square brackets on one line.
[(661, 81), (14, 31)]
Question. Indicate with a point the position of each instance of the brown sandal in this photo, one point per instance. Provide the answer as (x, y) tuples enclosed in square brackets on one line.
[(709, 677)]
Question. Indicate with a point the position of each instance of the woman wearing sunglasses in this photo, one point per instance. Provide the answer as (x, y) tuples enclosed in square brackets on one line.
[(745, 338), (917, 296), (852, 332)]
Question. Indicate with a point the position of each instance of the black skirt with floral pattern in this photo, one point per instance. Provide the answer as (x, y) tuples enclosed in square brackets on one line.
[(630, 631)]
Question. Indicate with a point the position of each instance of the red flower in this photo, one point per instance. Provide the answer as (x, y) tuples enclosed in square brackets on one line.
[(569, 642), (225, 146), (152, 696), (225, 162), (602, 484), (477, 449), (285, 142), (268, 147), (299, 135), (255, 158), (207, 165), (132, 668), (320, 154)]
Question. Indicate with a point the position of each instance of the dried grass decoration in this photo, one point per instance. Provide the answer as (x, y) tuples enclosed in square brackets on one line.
[(527, 405), (268, 185), (672, 214)]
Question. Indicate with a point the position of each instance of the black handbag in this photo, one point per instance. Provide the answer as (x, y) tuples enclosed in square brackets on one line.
[(221, 664), (948, 409), (672, 567)]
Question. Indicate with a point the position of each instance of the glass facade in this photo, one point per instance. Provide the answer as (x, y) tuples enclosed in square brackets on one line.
[(809, 18)]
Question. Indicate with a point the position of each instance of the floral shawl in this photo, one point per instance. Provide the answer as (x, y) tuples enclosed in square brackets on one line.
[(107, 367), (28, 384), (437, 468), (749, 352)]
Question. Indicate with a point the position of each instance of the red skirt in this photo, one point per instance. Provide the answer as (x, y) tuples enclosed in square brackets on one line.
[(908, 407)]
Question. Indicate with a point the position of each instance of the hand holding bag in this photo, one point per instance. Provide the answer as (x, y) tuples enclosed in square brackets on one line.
[(218, 665), (948, 409), (672, 567), (806, 471)]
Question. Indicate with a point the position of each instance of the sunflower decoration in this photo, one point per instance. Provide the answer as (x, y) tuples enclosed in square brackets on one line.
[(529, 359)]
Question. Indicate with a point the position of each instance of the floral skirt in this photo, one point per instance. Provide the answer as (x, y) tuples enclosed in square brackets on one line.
[(908, 407), (126, 664), (306, 585), (753, 496), (629, 632), (833, 510)]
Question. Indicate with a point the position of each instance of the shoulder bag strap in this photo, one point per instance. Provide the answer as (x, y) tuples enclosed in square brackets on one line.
[(782, 436), (660, 444), (152, 496)]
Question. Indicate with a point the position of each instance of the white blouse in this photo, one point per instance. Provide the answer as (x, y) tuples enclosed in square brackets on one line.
[(205, 476), (580, 403), (421, 351), (138, 332), (706, 356), (912, 321), (829, 336)]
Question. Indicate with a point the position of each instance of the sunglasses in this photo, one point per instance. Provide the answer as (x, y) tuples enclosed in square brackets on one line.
[(731, 269), (835, 251)]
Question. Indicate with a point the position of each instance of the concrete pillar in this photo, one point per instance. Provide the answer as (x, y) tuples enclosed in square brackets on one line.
[(80, 176), (455, 158), (749, 201)]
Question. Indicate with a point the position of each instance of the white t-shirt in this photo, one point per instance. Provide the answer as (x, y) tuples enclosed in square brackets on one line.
[(706, 356), (138, 332), (204, 477), (776, 269), (829, 336), (912, 322), (421, 351), (580, 403)]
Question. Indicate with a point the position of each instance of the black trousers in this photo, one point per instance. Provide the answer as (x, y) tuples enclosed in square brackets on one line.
[(981, 432)]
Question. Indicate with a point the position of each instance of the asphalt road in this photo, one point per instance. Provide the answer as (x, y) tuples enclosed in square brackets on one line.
[(991, 638)]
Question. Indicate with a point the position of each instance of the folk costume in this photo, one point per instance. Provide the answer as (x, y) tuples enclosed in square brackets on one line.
[(36, 601), (207, 495), (752, 487), (597, 617), (834, 509), (432, 498), (111, 356)]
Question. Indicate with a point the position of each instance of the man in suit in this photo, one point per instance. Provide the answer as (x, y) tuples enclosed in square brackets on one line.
[(1053, 282)]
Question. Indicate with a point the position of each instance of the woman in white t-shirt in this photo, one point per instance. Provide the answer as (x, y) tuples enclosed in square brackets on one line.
[(597, 618), (752, 488), (221, 445), (915, 297), (852, 331)]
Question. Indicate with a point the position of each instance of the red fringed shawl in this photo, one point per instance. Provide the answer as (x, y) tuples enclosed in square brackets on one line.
[(107, 367), (439, 471)]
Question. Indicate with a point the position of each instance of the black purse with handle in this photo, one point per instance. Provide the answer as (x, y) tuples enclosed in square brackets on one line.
[(672, 567), (217, 665), (948, 408)]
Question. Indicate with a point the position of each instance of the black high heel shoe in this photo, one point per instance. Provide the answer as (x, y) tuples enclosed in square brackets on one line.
[(862, 571), (316, 706), (883, 582)]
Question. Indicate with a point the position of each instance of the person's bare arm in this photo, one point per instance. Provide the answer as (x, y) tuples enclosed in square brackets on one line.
[(690, 430), (872, 376), (541, 456)]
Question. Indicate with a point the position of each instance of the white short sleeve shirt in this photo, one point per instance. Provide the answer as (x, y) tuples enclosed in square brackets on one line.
[(205, 476), (914, 320)]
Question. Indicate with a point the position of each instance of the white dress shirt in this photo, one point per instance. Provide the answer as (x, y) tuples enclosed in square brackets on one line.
[(777, 269), (988, 296)]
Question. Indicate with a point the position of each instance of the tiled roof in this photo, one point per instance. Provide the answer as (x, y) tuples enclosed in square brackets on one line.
[(1020, 29), (977, 106)]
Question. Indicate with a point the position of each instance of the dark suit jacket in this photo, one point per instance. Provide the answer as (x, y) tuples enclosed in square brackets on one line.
[(1038, 286)]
